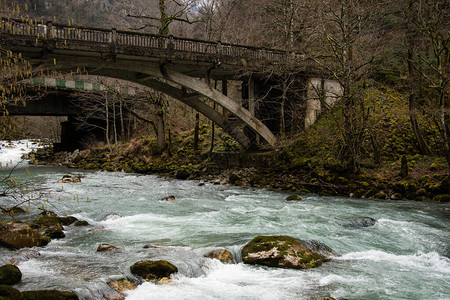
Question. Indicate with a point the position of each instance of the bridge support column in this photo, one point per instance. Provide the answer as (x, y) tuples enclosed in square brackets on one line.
[(70, 139), (251, 95)]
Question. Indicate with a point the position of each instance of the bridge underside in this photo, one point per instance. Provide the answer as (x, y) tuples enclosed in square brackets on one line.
[(189, 90), (170, 77)]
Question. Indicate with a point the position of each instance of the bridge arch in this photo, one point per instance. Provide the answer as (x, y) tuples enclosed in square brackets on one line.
[(176, 85), (169, 64)]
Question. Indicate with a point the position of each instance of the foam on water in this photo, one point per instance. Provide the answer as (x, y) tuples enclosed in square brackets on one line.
[(228, 281), (402, 246), (424, 261), (11, 152)]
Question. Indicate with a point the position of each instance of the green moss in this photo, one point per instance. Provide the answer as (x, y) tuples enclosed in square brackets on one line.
[(287, 247), (9, 293), (400, 187), (444, 198), (153, 270), (421, 192), (10, 275), (81, 223), (380, 195)]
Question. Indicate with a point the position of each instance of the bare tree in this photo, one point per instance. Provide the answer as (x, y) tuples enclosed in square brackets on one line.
[(432, 19), (349, 40), (170, 11)]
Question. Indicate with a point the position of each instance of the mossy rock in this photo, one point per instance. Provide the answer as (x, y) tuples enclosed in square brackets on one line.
[(49, 295), (281, 252), (45, 221), (66, 221), (81, 223), (233, 178), (359, 193), (400, 187), (153, 270), (372, 192), (182, 174), (18, 235), (49, 226), (293, 198), (411, 187), (444, 198), (9, 293), (421, 192), (10, 275), (380, 195)]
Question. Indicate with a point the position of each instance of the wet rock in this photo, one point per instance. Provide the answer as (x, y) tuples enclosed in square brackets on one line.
[(223, 255), (360, 222), (293, 198), (106, 247), (182, 174), (444, 198), (19, 235), (29, 253), (10, 275), (164, 280), (319, 247), (169, 199), (233, 178), (281, 252), (114, 296), (66, 221), (9, 293), (153, 270), (111, 217), (49, 295), (81, 223), (71, 178), (122, 285), (49, 225)]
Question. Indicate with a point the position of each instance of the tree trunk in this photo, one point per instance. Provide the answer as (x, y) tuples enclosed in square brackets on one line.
[(196, 130), (107, 123), (411, 41)]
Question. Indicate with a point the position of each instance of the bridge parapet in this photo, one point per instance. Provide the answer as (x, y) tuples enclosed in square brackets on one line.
[(117, 38)]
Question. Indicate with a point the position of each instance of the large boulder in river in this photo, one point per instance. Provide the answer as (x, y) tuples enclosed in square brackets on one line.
[(49, 225), (284, 252), (49, 295), (19, 235), (223, 255), (153, 270), (10, 275)]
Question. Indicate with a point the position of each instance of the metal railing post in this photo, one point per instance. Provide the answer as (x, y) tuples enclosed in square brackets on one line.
[(49, 30)]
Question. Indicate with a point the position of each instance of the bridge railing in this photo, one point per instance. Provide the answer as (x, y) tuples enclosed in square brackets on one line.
[(127, 38)]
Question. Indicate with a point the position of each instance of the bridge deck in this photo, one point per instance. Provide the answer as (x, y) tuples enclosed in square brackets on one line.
[(116, 44)]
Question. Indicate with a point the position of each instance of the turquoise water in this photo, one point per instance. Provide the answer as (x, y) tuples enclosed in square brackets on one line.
[(401, 257)]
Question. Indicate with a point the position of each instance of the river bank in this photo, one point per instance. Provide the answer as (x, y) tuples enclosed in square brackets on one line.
[(426, 178)]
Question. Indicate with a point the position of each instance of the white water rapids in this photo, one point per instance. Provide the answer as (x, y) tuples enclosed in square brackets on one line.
[(403, 256)]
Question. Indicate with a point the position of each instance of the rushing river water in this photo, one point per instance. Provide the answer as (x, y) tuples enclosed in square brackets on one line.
[(403, 256)]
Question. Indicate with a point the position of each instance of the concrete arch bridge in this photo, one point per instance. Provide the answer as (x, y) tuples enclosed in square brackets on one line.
[(181, 68)]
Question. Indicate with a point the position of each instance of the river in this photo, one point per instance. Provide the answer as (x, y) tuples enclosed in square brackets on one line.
[(403, 256)]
